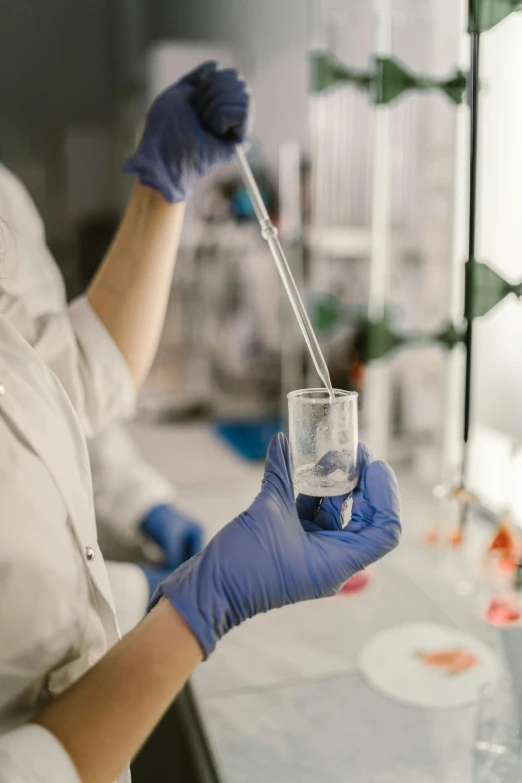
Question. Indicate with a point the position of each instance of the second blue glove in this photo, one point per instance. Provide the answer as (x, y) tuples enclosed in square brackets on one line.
[(191, 127), (178, 537)]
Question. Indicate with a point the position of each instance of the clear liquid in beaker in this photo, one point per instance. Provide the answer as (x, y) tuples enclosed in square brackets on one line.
[(314, 480)]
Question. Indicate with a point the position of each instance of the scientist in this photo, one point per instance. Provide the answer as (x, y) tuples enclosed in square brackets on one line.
[(134, 502), (76, 703)]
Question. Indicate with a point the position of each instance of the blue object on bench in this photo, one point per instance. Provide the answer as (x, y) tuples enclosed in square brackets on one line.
[(248, 437)]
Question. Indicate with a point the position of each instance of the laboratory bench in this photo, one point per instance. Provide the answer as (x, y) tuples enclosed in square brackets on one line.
[(281, 698)]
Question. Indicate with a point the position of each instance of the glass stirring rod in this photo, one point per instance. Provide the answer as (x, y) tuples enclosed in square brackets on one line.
[(269, 233)]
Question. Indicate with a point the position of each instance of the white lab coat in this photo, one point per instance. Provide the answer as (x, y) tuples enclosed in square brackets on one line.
[(57, 615), (34, 301)]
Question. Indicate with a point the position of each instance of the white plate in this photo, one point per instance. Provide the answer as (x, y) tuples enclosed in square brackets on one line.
[(390, 663)]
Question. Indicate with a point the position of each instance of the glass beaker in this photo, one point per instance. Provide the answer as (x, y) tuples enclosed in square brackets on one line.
[(497, 742), (323, 441)]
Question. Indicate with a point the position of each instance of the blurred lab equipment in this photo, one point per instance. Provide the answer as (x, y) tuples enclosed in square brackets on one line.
[(374, 219), (498, 742)]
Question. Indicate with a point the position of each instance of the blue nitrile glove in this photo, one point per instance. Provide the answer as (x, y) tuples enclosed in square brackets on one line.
[(279, 552), (178, 537), (191, 127)]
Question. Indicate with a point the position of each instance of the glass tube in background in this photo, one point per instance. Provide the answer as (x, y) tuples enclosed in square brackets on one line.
[(497, 743)]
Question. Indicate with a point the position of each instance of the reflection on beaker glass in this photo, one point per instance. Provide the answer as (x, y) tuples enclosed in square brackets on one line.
[(323, 441)]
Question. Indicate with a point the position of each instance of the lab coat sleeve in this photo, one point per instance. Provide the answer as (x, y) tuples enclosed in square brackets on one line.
[(126, 486), (31, 754), (75, 344)]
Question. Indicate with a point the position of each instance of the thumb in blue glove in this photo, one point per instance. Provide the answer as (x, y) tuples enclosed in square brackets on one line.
[(191, 127), (279, 552)]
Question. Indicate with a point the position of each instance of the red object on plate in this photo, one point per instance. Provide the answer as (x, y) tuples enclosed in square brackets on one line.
[(452, 661), (357, 582)]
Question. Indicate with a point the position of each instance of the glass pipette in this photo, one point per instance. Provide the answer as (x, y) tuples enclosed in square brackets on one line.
[(269, 233)]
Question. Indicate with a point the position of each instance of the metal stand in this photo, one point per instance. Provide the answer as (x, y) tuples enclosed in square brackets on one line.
[(473, 170)]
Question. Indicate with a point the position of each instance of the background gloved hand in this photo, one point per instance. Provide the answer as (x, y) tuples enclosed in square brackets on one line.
[(191, 127), (178, 537), (279, 552)]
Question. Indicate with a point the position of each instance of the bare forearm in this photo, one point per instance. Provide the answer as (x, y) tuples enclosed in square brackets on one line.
[(130, 290), (104, 718)]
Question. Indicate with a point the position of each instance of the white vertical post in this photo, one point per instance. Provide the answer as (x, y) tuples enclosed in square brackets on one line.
[(451, 450), (377, 388)]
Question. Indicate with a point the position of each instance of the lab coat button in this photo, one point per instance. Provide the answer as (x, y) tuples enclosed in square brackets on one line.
[(2, 389), (89, 553)]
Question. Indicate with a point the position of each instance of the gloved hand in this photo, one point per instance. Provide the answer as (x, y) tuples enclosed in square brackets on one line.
[(191, 127), (279, 552), (178, 537)]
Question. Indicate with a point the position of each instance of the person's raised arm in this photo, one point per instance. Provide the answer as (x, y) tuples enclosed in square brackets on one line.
[(275, 553), (130, 291), (191, 127)]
